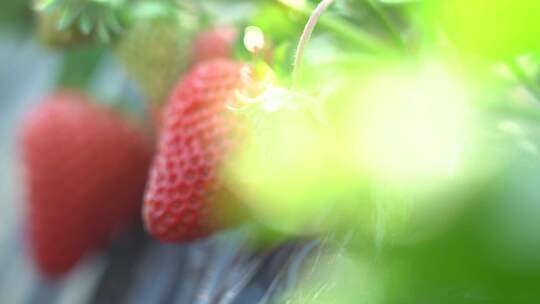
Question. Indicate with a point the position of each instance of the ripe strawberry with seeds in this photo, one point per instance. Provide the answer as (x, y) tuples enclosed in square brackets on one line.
[(185, 198), (85, 170)]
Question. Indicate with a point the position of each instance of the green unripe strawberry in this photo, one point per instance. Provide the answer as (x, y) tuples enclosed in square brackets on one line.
[(155, 51)]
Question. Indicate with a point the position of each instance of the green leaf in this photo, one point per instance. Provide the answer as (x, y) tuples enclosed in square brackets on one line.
[(150, 9), (67, 18), (113, 23), (85, 24), (278, 24), (104, 17), (103, 33), (42, 5)]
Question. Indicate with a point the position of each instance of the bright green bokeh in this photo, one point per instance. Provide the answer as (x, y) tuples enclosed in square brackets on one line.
[(285, 170), (409, 129), (496, 29), (393, 148), (409, 122)]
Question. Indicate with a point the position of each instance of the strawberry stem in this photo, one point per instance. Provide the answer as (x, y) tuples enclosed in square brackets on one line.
[(306, 35), (340, 27)]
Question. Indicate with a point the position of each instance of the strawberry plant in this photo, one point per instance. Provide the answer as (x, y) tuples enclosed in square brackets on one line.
[(408, 128)]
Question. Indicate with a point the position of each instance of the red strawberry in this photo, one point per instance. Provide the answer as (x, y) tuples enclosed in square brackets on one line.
[(85, 174), (185, 198), (214, 43)]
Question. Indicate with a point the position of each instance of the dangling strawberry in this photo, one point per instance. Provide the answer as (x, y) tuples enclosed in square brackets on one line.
[(185, 198), (210, 44), (85, 171), (214, 43)]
